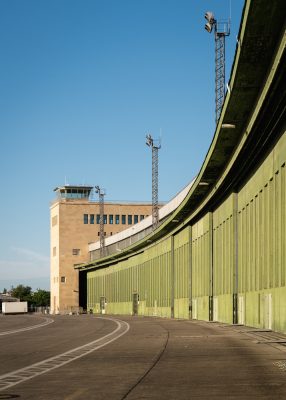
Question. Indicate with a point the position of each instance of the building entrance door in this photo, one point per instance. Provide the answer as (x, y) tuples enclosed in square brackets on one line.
[(268, 311), (241, 310), (194, 309), (102, 302), (135, 303), (215, 309)]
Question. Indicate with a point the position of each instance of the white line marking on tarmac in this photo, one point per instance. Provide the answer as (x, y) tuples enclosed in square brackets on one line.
[(28, 328), (24, 374)]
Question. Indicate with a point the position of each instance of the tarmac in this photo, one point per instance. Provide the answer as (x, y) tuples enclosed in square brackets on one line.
[(118, 357)]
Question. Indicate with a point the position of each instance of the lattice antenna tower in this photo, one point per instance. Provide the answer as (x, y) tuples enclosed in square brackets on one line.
[(221, 30), (101, 194), (155, 149)]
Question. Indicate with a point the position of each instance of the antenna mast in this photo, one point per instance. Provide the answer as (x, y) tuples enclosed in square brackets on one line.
[(155, 208), (221, 30), (101, 195)]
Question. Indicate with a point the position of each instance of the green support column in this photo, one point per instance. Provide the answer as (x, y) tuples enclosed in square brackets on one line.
[(235, 259), (190, 272), (211, 265), (172, 278)]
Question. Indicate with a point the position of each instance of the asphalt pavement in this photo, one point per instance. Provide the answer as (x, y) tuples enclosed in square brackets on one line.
[(119, 357)]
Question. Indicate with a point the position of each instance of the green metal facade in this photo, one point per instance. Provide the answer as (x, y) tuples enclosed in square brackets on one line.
[(225, 260), (238, 249)]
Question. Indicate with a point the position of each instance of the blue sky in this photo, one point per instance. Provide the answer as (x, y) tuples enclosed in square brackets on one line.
[(82, 83)]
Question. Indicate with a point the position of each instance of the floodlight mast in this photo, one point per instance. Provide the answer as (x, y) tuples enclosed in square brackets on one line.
[(101, 195), (221, 30), (155, 208)]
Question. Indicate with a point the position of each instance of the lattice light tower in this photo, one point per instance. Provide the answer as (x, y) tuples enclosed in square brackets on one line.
[(101, 194), (221, 30), (155, 208)]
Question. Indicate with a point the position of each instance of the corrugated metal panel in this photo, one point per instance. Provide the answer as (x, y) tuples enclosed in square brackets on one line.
[(223, 247)]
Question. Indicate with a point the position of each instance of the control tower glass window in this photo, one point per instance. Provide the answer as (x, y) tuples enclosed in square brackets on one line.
[(68, 192)]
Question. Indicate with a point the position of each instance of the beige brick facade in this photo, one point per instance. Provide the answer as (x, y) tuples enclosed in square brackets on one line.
[(73, 225)]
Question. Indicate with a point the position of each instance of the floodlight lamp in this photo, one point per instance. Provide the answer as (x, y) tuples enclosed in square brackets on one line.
[(208, 27), (99, 190), (228, 126), (149, 140), (209, 16)]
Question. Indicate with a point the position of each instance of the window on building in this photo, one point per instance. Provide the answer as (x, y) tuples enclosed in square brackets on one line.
[(75, 252), (54, 251), (111, 219), (63, 279), (110, 233), (91, 219), (85, 218), (104, 233), (135, 219), (123, 219), (98, 233), (117, 219), (54, 220), (98, 218), (129, 219), (105, 219), (141, 217)]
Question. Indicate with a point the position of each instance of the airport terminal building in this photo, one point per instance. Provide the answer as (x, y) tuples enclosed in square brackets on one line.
[(220, 253)]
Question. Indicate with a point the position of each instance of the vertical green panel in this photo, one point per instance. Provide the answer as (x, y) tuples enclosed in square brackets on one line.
[(181, 273), (224, 261), (200, 259), (277, 231), (283, 226)]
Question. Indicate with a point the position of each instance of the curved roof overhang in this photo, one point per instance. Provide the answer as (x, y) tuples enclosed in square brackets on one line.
[(256, 76)]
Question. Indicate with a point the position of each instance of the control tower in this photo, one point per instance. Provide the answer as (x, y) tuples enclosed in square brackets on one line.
[(68, 244)]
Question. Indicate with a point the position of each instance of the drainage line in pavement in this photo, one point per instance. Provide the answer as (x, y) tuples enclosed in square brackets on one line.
[(149, 369)]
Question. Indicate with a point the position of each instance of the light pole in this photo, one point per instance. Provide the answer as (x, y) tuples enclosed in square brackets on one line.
[(155, 208), (101, 195), (221, 30)]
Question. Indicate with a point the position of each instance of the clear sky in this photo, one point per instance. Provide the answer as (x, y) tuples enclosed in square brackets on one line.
[(82, 83)]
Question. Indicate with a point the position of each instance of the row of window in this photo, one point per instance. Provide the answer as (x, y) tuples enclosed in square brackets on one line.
[(131, 219)]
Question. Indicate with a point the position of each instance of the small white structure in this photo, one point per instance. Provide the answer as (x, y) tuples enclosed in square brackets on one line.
[(15, 307)]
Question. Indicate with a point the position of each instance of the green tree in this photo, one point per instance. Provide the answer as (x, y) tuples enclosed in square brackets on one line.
[(41, 298), (24, 293)]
